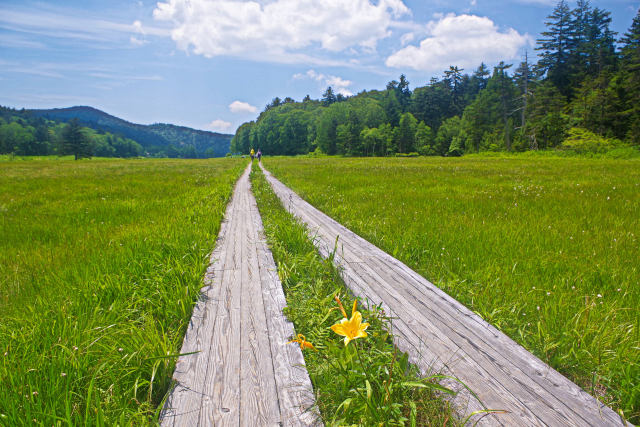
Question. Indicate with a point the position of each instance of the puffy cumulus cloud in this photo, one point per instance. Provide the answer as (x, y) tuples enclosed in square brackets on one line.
[(463, 40), (219, 125), (338, 84), (277, 29), (242, 107)]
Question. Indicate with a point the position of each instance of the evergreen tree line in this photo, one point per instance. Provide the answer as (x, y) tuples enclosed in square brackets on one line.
[(582, 94)]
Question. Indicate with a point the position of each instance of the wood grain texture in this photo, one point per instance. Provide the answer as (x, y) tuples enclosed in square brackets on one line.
[(441, 335), (241, 371)]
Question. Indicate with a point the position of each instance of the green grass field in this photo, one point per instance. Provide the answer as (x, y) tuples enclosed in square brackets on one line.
[(546, 249), (100, 265)]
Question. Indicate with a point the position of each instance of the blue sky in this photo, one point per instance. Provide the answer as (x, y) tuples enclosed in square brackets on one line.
[(213, 64)]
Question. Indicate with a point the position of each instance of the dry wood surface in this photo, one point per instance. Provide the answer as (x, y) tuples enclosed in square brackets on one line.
[(236, 367), (441, 335)]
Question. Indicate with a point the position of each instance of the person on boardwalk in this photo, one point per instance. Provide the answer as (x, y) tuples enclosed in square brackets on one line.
[(252, 154), (259, 155)]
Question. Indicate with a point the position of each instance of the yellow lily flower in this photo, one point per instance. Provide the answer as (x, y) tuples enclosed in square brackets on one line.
[(351, 328), (303, 342)]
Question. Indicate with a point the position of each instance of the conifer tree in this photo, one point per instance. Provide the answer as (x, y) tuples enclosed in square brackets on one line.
[(453, 79), (480, 78), (503, 85), (555, 45), (328, 97), (74, 141), (630, 80)]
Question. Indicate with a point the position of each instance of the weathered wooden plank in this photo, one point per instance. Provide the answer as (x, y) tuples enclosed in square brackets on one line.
[(243, 372), (429, 356), (500, 371), (548, 385), (258, 388), (182, 407), (210, 364), (488, 379), (221, 405), (293, 385)]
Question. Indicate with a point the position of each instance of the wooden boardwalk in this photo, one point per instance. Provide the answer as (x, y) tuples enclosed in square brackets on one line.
[(442, 335), (241, 371)]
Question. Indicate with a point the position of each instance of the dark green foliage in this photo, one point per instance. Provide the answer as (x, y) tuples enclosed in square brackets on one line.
[(328, 97), (449, 138), (554, 46), (431, 104), (407, 133), (24, 134), (453, 79), (155, 138), (39, 133), (627, 82), (75, 142), (424, 140), (547, 121), (241, 140)]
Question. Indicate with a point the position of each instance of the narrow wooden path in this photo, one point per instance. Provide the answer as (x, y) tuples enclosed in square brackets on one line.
[(441, 335), (237, 368)]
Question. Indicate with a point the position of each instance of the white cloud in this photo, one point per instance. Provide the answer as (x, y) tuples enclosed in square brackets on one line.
[(69, 23), (279, 29), (407, 38), (137, 42), (219, 125), (242, 107), (14, 40), (463, 40), (338, 84), (137, 26), (124, 77)]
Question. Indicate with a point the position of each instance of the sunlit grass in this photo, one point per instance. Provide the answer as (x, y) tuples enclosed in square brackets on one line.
[(546, 249), (100, 265)]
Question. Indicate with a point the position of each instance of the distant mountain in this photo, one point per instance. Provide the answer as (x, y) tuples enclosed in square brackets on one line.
[(158, 137)]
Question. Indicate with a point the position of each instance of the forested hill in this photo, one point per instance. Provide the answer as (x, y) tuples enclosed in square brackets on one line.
[(580, 94), (159, 138)]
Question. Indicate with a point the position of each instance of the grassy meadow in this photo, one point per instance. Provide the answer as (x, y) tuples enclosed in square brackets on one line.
[(546, 249), (100, 265)]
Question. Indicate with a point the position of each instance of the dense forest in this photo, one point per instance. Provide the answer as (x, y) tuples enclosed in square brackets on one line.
[(23, 134), (582, 95), (46, 132)]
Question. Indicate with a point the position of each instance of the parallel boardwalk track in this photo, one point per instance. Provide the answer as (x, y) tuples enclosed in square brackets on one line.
[(237, 368), (441, 335)]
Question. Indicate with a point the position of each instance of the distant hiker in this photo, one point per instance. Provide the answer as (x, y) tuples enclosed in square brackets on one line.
[(252, 154), (259, 155)]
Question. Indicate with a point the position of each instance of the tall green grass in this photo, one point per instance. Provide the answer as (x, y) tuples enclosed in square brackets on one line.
[(374, 385), (100, 265), (546, 249)]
